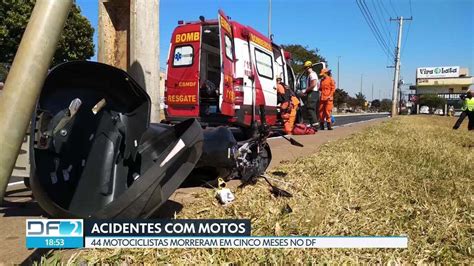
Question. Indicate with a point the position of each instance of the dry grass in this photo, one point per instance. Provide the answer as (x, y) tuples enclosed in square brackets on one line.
[(409, 176)]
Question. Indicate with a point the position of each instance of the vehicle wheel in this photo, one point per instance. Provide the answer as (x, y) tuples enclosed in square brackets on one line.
[(264, 159)]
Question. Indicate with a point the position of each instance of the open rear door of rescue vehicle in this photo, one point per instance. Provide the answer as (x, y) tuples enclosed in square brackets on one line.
[(317, 67), (226, 89), (182, 85)]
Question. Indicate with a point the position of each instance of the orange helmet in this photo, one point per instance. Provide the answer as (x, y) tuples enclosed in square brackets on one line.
[(280, 89)]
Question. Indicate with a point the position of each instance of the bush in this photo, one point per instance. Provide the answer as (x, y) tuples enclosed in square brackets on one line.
[(432, 101)]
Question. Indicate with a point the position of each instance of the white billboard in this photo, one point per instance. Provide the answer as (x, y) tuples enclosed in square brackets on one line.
[(437, 72)]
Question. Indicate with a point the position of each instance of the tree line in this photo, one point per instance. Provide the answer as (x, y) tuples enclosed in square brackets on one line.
[(75, 43)]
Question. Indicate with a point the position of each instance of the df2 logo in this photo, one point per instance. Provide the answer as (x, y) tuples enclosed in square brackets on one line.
[(43, 227)]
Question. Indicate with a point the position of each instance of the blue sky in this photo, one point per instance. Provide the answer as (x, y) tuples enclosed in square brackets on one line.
[(441, 32)]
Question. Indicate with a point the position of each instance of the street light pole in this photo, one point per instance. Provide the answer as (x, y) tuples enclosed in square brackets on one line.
[(372, 91), (26, 78), (338, 86), (269, 18)]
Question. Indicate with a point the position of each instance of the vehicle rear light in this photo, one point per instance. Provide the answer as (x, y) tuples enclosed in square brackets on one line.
[(239, 97), (239, 81), (239, 91)]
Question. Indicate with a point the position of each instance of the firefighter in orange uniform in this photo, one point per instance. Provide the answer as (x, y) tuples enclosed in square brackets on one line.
[(288, 105), (327, 89)]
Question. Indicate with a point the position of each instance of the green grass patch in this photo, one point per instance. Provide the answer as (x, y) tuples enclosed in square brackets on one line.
[(408, 176)]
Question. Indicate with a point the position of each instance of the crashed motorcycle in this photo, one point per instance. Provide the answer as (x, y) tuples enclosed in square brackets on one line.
[(95, 153)]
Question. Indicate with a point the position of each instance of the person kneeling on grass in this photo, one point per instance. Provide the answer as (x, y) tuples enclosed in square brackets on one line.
[(467, 110), (288, 105)]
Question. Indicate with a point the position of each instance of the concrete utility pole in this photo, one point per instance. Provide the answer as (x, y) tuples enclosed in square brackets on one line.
[(129, 39), (114, 30), (397, 65), (144, 64), (338, 73), (25, 79)]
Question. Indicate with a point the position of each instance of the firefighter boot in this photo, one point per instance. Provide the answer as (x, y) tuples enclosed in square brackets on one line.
[(321, 126), (329, 126)]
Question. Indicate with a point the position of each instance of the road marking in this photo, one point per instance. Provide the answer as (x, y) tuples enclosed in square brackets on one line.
[(15, 183)]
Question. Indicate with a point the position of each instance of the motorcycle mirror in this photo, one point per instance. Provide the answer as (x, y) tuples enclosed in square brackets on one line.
[(295, 143), (291, 140), (278, 192)]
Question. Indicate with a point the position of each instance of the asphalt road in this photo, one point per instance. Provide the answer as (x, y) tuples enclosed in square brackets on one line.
[(348, 119), (340, 121)]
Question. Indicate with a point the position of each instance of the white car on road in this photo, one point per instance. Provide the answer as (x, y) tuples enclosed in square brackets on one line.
[(439, 112), (424, 109)]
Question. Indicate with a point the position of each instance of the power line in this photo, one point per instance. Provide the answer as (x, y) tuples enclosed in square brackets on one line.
[(371, 18), (376, 36), (380, 16), (384, 8), (372, 28), (381, 7), (382, 4), (411, 13), (406, 38), (383, 26), (398, 52), (408, 32), (393, 8)]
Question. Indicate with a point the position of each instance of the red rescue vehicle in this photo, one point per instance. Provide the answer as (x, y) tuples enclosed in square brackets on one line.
[(223, 73)]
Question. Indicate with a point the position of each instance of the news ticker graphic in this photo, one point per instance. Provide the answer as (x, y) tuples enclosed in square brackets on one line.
[(247, 242), (181, 227), (72, 233), (54, 233), (204, 233)]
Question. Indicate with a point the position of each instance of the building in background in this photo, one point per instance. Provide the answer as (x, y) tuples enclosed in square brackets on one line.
[(445, 79), (448, 82)]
